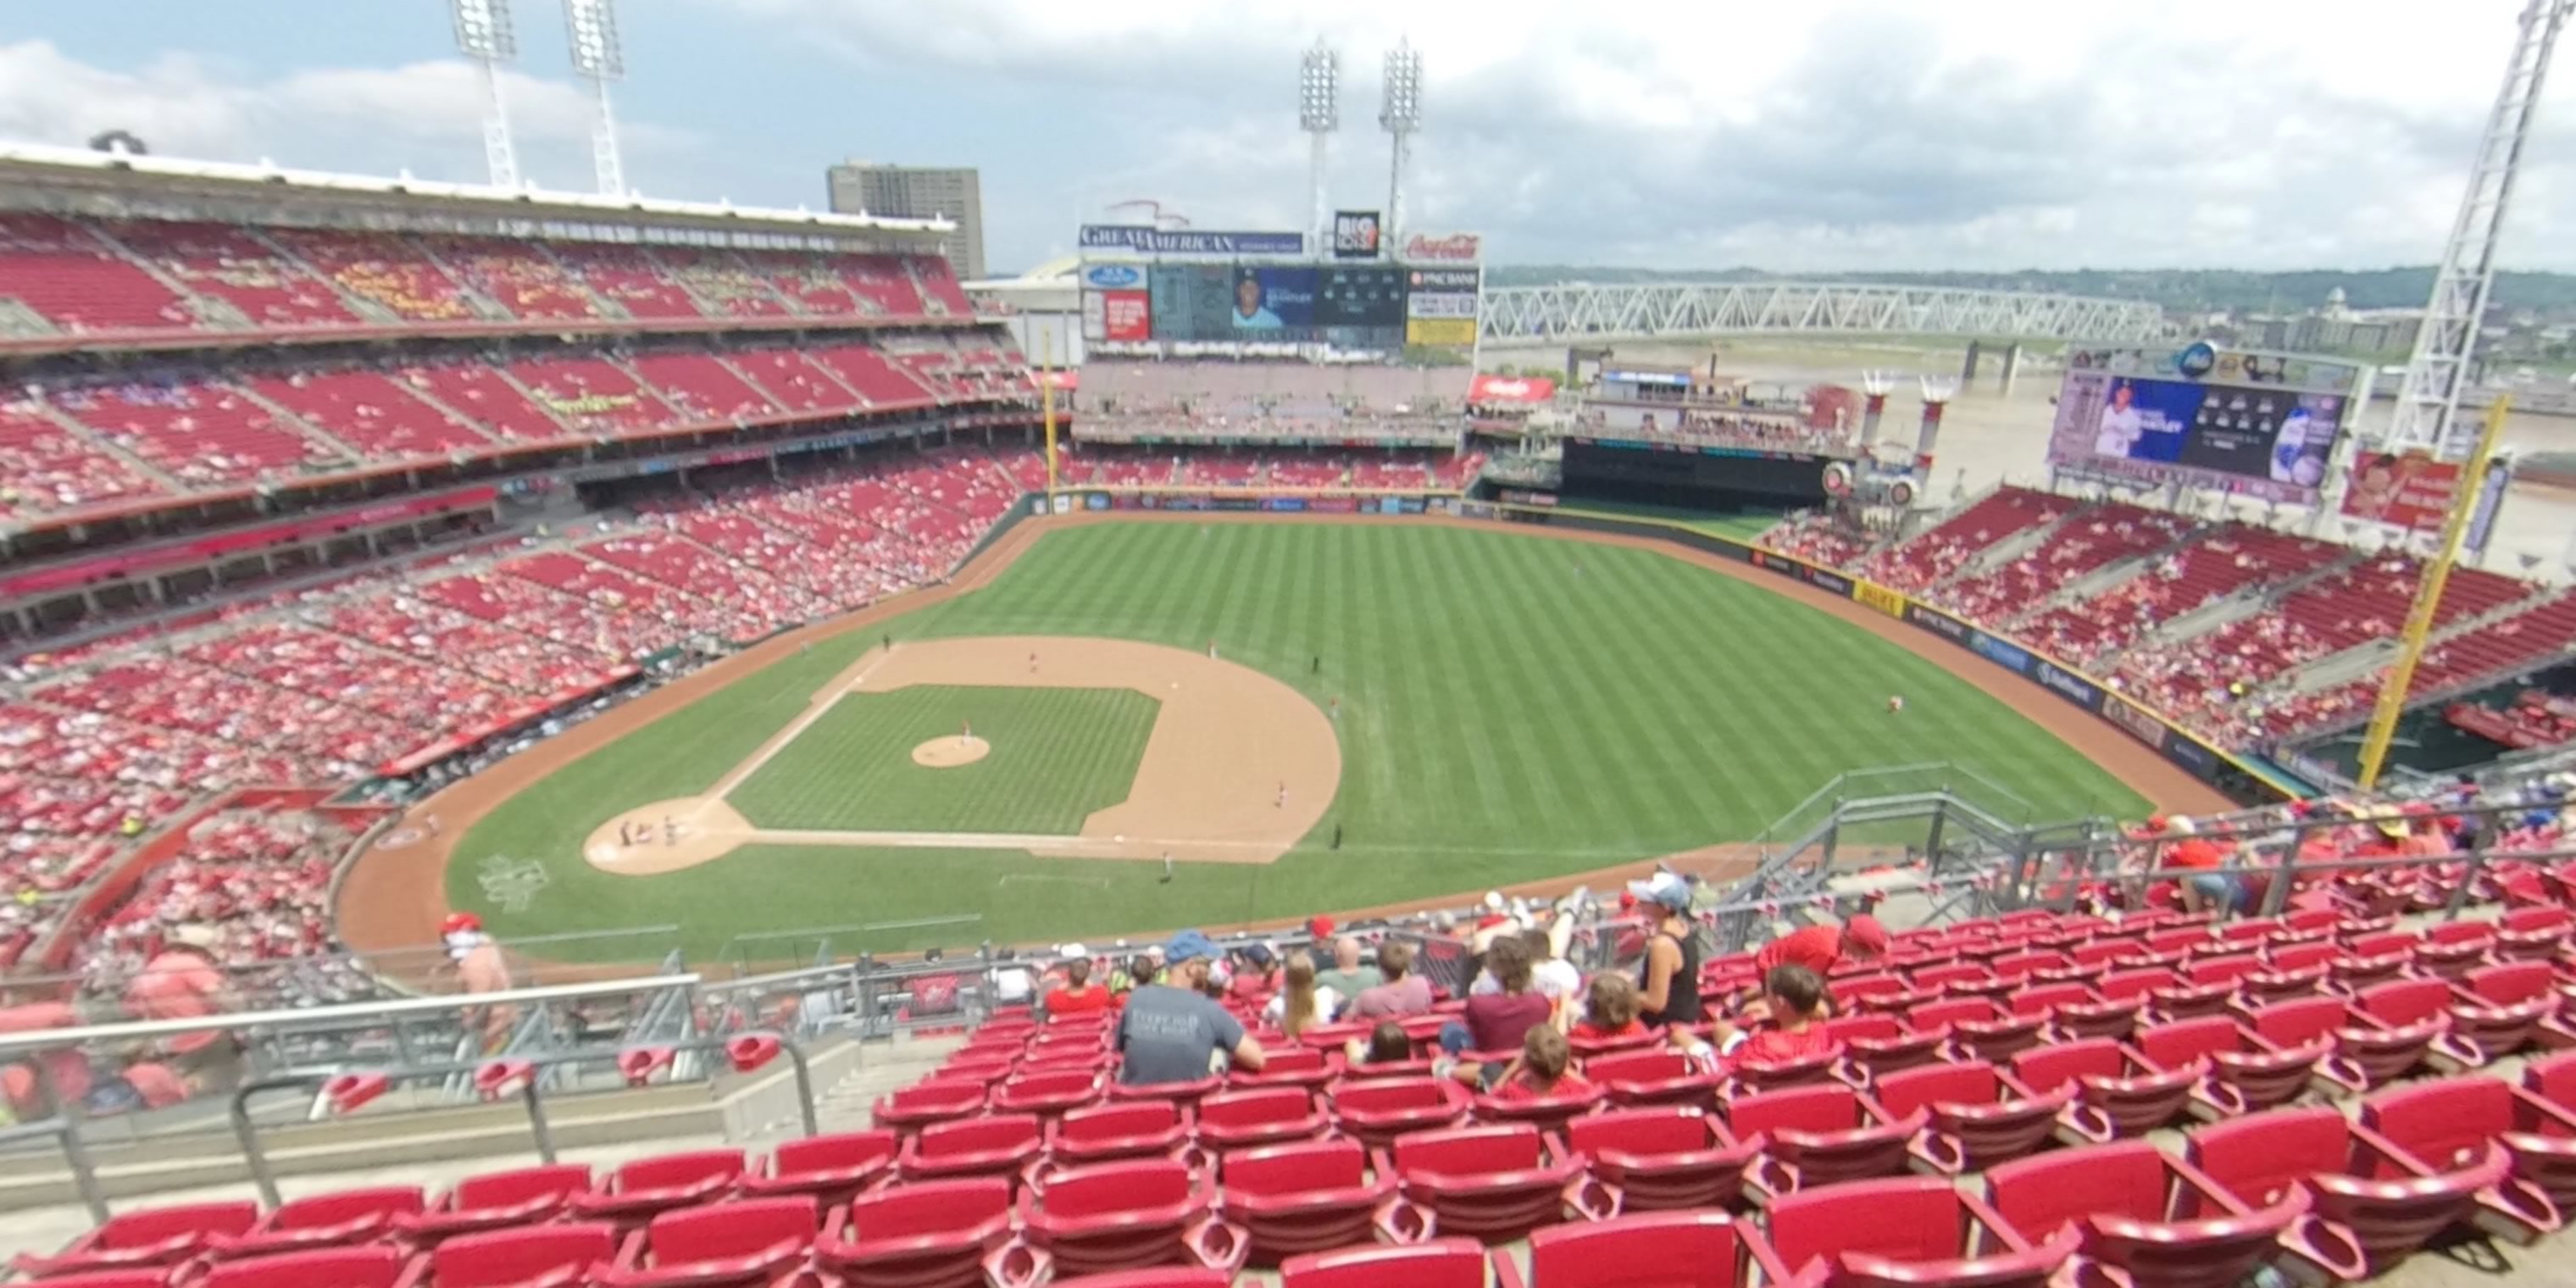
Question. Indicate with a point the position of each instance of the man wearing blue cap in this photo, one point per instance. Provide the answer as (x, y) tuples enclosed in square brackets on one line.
[(1173, 1031)]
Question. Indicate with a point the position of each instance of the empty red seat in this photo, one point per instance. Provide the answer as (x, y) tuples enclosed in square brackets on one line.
[(1124, 1216), (1046, 1093), (2553, 1078), (153, 1237), (1295, 1066), (334, 1220), (1550, 1112), (1260, 1116), (1659, 1076), (1984, 1027), (1312, 1195), (2239, 1071), (831, 1168), (1976, 1115), (2157, 1219), (1378, 1112), (1879, 1043), (1666, 1249), (2366, 1052), (147, 1277), (753, 1242), (496, 1201), (380, 1265), (1439, 1263), (2367, 1189), (2298, 970), (1005, 1145), (909, 1110), (1179, 1093), (534, 1256), (2406, 1003), (2452, 949), (1812, 1136), (931, 1234), (1495, 1183), (1107, 1133), (1659, 1158), (2126, 1093), (2452, 1122), (633, 1193), (2097, 1015), (1915, 1230), (2533, 934), (2507, 1008)]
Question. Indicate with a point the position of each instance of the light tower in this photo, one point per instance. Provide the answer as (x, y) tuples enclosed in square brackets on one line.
[(1401, 116), (483, 34), (2428, 402), (591, 26), (1319, 113)]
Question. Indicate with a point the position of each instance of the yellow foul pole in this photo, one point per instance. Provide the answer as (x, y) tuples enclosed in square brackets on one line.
[(2428, 597), (1046, 400)]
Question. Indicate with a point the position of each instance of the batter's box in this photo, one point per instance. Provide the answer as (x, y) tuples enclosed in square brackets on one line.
[(511, 884)]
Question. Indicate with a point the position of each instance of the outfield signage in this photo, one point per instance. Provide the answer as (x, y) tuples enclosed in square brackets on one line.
[(1148, 240)]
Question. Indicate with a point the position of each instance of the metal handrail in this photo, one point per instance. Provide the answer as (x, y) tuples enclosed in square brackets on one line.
[(126, 1031)]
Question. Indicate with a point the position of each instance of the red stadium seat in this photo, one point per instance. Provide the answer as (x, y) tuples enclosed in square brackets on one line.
[(2240, 1072), (497, 1201), (1126, 1216), (2505, 1009), (1298, 1066), (633, 1193), (1313, 1195), (831, 1168), (1108, 1133), (2126, 1093), (379, 1265), (1660, 1076), (2407, 1003), (1377, 1112), (2156, 1219), (1915, 1231), (2365, 1189), (1659, 1158), (1440, 1263), (1879, 1043), (152, 1237), (1671, 1249), (1047, 1094), (1261, 1116), (1550, 1112), (1811, 1136), (1493, 1183), (931, 1234), (2452, 1122), (1004, 1145), (1977, 1114), (761, 1242), (2366, 1052), (334, 1220), (535, 1256)]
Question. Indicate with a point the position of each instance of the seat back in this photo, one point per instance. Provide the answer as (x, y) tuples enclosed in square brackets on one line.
[(499, 1258), (1256, 1107), (2511, 983), (1392, 1096), (674, 1171), (1875, 1027), (2406, 1001), (969, 1137), (2046, 997), (2300, 1022), (2262, 1157), (372, 1266), (1102, 1125), (1116, 1189), (2453, 933), (2222, 970), (1968, 1082), (1439, 1263), (2129, 985), (514, 1188), (343, 1206), (1958, 1010), (1908, 1219), (1507, 1147), (725, 1230), (1643, 1132), (1664, 1249), (2043, 1192), (920, 1208), (831, 1153), (2179, 1043), (2050, 1067), (1303, 1168), (160, 1225), (2300, 957), (1809, 1109), (2445, 1123), (1049, 1084), (2021, 964), (2553, 1078)]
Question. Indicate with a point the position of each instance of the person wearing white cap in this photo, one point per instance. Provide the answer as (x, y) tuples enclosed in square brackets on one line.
[(1668, 983)]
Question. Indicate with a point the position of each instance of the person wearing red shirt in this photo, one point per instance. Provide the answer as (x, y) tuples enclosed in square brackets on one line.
[(1820, 948), (2204, 886), (1795, 998), (1541, 1070), (1609, 1011), (1078, 996)]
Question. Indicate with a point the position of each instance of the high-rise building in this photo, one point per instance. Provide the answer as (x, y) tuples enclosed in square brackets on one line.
[(918, 192)]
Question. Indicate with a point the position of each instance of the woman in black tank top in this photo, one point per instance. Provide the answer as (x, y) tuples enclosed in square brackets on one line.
[(1681, 999)]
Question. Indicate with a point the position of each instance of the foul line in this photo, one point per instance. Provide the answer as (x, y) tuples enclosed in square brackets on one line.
[(805, 720)]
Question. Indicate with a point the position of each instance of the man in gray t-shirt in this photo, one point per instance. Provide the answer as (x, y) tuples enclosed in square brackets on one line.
[(1174, 1032)]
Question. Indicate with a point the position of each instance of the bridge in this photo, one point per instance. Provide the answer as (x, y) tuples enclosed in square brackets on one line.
[(1580, 311)]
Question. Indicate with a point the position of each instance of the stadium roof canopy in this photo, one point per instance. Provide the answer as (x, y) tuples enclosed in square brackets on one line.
[(84, 181)]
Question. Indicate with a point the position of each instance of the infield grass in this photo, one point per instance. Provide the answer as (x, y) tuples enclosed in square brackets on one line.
[(1058, 755), (1513, 707)]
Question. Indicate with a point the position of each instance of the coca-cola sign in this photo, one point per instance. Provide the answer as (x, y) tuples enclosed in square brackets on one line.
[(1454, 248)]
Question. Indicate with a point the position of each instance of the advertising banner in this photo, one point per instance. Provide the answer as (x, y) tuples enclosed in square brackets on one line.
[(1454, 333), (1148, 240), (1126, 316), (1510, 391), (2066, 684), (2409, 489), (1355, 234), (1113, 277), (1465, 280), (1440, 304), (1885, 600), (1443, 248)]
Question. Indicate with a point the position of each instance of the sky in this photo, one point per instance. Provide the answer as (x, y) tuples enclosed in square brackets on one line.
[(1834, 135)]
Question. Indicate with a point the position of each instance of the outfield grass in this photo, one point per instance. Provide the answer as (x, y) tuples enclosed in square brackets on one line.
[(1058, 755), (1512, 707)]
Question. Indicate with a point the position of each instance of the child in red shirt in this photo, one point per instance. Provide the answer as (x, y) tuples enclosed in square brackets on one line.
[(1796, 1030), (1541, 1070), (1609, 1010)]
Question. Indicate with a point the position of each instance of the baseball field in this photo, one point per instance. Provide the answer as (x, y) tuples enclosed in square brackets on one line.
[(1458, 706)]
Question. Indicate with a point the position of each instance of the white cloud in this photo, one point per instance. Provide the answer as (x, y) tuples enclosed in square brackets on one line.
[(424, 116), (1834, 135)]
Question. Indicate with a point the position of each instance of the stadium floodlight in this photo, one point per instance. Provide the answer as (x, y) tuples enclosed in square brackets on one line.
[(1400, 115), (590, 26), (1319, 113), (484, 34)]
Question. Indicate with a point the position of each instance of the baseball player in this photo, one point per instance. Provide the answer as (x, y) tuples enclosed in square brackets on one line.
[(1895, 703)]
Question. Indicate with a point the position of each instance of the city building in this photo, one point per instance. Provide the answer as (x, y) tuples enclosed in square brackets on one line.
[(954, 193)]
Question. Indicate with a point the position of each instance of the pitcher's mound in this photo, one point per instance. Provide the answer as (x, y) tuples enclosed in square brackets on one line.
[(949, 753)]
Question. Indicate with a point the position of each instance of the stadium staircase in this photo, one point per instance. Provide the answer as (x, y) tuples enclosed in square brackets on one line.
[(287, 419), (208, 310), (100, 443)]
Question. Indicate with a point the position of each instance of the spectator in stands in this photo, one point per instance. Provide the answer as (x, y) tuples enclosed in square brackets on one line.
[(1821, 948), (184, 982), (1256, 974), (1668, 983), (1499, 1020), (1348, 977), (481, 967), (1013, 983), (1541, 1070), (2205, 887), (1791, 1025), (1301, 1003), (1176, 1033), (1078, 995), (1387, 1044), (67, 1068), (1400, 993), (1609, 1010), (1553, 976)]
